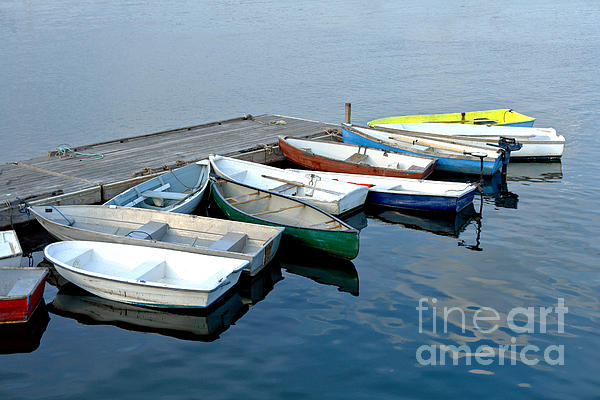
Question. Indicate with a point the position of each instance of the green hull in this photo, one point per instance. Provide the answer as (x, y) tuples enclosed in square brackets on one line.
[(339, 244)]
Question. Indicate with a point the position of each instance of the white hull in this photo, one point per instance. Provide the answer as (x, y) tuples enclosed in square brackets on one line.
[(10, 249), (189, 233), (536, 142), (146, 276), (332, 197)]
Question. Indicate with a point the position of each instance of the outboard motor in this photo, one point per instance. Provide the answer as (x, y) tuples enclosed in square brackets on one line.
[(506, 145)]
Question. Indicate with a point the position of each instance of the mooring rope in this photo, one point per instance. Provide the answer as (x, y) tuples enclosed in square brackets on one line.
[(139, 231), (64, 150)]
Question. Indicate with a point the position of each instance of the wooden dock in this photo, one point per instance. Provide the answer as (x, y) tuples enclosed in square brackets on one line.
[(78, 179)]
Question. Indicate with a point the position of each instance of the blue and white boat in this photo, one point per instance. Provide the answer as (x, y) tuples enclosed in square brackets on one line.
[(452, 157), (538, 144), (179, 190), (410, 194)]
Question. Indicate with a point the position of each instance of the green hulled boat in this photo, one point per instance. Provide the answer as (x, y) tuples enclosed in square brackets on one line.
[(303, 223)]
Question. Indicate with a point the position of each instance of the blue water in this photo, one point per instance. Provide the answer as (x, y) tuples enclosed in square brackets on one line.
[(82, 71)]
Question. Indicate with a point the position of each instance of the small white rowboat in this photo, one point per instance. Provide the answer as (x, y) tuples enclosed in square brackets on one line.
[(10, 249), (142, 275), (336, 198)]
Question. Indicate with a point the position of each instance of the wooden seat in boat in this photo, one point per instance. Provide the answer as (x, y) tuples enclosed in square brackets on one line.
[(75, 261), (153, 230), (276, 211), (22, 287), (231, 241), (141, 196), (357, 158), (238, 176), (164, 195), (143, 271), (419, 147), (284, 187), (134, 202)]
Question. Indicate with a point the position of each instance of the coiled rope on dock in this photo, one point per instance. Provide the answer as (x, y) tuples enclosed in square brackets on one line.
[(64, 150)]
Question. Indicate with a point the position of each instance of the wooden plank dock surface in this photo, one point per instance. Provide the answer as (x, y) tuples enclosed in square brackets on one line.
[(78, 179)]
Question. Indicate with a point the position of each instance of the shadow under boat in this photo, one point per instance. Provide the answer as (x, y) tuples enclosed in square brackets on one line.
[(443, 224), (187, 324), (324, 270), (24, 337)]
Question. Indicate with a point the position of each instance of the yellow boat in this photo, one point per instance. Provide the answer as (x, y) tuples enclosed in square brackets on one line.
[(503, 116)]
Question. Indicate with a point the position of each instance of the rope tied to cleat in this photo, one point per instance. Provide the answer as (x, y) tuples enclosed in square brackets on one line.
[(65, 151)]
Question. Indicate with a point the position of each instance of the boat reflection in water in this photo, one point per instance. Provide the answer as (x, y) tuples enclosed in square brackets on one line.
[(187, 324), (535, 172), (357, 220), (520, 172), (24, 337), (496, 188), (254, 289), (443, 224), (324, 270)]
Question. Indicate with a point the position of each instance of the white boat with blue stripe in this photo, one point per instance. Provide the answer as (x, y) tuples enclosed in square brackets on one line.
[(453, 158), (411, 194)]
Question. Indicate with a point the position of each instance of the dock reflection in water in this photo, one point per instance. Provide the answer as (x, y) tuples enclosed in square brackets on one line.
[(321, 269), (187, 324), (24, 337)]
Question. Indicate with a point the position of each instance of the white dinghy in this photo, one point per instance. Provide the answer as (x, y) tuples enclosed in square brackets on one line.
[(146, 276), (10, 249), (537, 143), (336, 198), (254, 243)]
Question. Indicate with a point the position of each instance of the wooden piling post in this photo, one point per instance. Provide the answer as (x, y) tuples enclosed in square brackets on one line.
[(348, 111)]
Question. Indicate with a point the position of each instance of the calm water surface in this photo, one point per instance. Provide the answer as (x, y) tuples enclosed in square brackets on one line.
[(82, 71)]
